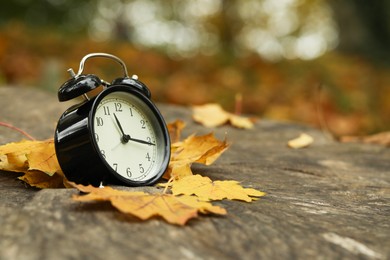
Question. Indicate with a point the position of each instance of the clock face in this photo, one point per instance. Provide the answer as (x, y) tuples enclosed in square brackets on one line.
[(130, 137)]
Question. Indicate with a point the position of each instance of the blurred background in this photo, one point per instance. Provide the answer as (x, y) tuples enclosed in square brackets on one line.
[(319, 62)]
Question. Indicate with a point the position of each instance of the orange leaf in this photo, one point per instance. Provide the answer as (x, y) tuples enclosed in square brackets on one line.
[(173, 209), (178, 170), (36, 159), (13, 162), (41, 180), (212, 115), (195, 149), (43, 158), (303, 140), (207, 190), (102, 194), (201, 149), (175, 129), (382, 138), (35, 155)]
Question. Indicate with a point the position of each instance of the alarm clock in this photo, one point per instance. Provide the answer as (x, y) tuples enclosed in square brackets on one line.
[(118, 136)]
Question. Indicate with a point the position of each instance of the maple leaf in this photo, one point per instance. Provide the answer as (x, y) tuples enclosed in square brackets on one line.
[(178, 170), (41, 180), (206, 189), (34, 158), (175, 129), (34, 155), (43, 158), (13, 163), (382, 138), (303, 140), (203, 149), (174, 209), (212, 115)]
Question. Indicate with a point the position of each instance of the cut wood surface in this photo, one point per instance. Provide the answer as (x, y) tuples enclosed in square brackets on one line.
[(326, 201)]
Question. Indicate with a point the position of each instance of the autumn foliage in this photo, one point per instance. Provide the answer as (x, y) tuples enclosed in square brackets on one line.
[(346, 95), (183, 197)]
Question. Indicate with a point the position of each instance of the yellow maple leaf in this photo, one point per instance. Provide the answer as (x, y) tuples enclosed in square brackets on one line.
[(175, 129), (13, 162), (212, 115), (303, 140), (206, 189), (174, 209), (34, 155), (35, 159), (41, 180), (203, 149), (178, 170), (43, 158), (382, 138)]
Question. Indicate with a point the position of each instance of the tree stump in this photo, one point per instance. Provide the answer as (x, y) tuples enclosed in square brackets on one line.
[(328, 201)]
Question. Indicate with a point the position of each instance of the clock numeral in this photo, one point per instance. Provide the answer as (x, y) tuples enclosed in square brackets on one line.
[(99, 121), (97, 137), (149, 139), (115, 166), (103, 153), (147, 157), (128, 172), (118, 107), (143, 124), (106, 110), (131, 111), (141, 168)]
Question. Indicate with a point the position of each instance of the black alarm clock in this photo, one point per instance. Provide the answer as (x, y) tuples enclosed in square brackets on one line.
[(117, 136)]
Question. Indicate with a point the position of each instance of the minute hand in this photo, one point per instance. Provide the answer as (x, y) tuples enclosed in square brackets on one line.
[(139, 141)]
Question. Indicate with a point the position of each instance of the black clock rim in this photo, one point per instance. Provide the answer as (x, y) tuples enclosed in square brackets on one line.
[(160, 119)]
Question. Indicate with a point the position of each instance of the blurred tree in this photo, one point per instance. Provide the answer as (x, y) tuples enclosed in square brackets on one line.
[(63, 15), (274, 29), (364, 26), (244, 34)]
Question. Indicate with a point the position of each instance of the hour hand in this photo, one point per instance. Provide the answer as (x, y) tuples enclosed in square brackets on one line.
[(125, 138)]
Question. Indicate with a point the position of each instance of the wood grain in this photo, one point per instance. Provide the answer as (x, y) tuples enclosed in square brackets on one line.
[(326, 201)]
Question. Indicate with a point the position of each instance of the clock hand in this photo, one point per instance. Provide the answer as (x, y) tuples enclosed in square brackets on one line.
[(139, 141), (125, 138)]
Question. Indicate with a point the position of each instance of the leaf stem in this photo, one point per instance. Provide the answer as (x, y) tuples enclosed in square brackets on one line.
[(167, 184), (17, 129)]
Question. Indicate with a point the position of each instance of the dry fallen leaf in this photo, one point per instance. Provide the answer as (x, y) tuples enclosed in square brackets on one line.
[(191, 193), (175, 129), (382, 138), (207, 190), (35, 155), (13, 163), (303, 140), (34, 158), (41, 180), (174, 209), (203, 149), (212, 115)]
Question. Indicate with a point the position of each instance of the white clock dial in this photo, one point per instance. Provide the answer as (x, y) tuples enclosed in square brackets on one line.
[(129, 136)]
